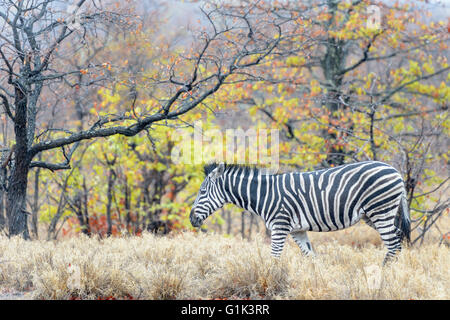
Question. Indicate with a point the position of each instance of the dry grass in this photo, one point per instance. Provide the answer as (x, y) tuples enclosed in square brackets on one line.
[(208, 266)]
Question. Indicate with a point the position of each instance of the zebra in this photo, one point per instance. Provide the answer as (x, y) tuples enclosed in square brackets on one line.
[(324, 200)]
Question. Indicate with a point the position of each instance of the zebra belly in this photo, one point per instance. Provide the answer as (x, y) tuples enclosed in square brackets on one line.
[(316, 224), (331, 199)]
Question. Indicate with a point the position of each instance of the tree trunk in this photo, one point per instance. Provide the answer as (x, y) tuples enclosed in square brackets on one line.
[(228, 222), (18, 181), (2, 199), (81, 209), (332, 64), (17, 216), (250, 228), (111, 179), (17, 192), (127, 208), (3, 177), (35, 205)]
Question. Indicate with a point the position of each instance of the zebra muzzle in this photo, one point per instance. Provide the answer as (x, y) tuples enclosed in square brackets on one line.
[(195, 221)]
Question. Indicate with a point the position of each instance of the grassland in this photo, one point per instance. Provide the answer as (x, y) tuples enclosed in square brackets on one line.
[(210, 266)]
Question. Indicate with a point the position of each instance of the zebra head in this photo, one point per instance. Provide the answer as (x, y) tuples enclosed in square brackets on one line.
[(209, 198)]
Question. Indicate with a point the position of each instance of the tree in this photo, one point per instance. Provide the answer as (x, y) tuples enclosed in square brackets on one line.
[(363, 91), (36, 34)]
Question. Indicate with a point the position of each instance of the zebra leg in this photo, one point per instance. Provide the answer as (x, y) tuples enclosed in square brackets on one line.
[(301, 239), (278, 240), (384, 224)]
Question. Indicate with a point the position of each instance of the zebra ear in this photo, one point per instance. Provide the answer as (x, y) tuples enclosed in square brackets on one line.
[(218, 171)]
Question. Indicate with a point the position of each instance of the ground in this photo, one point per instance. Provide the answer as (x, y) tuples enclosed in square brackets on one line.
[(192, 265)]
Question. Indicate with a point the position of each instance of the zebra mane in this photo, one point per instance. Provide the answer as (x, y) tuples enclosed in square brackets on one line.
[(208, 168)]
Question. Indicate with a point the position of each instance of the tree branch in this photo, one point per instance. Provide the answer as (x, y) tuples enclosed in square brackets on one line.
[(7, 107)]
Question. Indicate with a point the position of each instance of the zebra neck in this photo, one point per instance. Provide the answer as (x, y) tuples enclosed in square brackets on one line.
[(241, 187)]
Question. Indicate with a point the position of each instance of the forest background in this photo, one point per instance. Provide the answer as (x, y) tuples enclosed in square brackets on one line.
[(95, 96)]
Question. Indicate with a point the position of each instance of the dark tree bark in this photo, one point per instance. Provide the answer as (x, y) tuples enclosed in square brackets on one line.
[(243, 224), (109, 196), (18, 181), (332, 64), (109, 192), (35, 204)]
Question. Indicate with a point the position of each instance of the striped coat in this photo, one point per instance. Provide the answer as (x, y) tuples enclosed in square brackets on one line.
[(324, 200)]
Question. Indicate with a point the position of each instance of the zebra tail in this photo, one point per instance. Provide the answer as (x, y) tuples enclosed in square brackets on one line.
[(404, 220)]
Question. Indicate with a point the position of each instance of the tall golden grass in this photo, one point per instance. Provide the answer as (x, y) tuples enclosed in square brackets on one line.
[(210, 266)]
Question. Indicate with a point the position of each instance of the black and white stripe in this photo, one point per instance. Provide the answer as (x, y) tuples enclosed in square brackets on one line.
[(297, 202)]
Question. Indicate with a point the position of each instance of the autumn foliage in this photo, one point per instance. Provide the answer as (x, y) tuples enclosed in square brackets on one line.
[(341, 81)]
